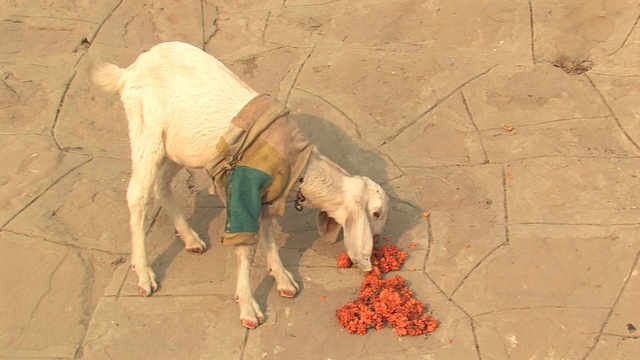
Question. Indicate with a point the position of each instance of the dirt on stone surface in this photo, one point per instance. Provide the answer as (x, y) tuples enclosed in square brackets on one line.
[(514, 125)]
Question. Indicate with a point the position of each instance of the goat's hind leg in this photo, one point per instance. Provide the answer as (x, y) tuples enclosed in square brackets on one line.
[(285, 283), (144, 172), (191, 240)]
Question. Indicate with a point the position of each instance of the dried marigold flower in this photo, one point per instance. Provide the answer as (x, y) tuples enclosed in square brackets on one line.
[(385, 301), (344, 261)]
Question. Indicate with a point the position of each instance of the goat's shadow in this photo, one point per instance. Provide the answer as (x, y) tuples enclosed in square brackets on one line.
[(300, 227)]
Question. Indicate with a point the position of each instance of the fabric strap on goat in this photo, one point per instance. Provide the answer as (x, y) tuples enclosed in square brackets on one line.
[(259, 159)]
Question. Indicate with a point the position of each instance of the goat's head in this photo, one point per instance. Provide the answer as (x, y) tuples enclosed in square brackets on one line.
[(362, 215)]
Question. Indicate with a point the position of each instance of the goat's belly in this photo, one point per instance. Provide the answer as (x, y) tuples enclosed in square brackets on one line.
[(192, 150)]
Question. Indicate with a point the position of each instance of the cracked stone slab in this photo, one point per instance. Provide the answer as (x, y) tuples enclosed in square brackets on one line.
[(538, 332), (89, 116), (238, 35), (199, 326), (72, 10), (496, 35), (525, 95), (622, 61), (286, 334), (466, 206), (32, 164), (95, 200), (142, 24), (625, 312), (621, 93), (382, 103), (325, 125), (584, 137), (616, 347), (272, 71), (23, 39), (30, 95), (444, 136), (574, 30), (50, 35), (552, 266), (47, 318), (576, 190), (182, 273)]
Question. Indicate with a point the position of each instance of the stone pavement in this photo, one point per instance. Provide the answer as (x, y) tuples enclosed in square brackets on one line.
[(515, 124)]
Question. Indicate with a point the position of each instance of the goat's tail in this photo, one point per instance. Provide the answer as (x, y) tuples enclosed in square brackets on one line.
[(106, 76)]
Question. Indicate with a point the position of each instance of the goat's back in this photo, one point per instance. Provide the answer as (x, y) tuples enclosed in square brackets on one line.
[(181, 94)]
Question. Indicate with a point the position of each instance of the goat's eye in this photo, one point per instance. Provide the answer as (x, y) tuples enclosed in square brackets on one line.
[(376, 215)]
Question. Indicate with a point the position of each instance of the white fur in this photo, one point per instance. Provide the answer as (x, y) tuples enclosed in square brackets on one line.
[(179, 100)]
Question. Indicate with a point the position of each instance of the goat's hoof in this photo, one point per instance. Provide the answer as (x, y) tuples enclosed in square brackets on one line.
[(287, 293), (195, 250), (249, 324), (146, 291), (252, 324)]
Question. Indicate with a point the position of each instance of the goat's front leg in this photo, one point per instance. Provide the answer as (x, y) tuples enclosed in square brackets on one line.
[(250, 314), (286, 285)]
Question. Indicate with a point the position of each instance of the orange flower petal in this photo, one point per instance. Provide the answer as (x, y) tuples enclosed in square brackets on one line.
[(322, 297), (508, 128), (425, 214)]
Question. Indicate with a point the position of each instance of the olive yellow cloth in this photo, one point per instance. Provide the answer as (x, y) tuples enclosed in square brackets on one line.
[(260, 157)]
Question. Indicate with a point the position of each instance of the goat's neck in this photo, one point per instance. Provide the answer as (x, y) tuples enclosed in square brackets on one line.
[(324, 184)]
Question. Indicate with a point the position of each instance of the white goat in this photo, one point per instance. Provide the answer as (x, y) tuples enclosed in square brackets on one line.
[(179, 101)]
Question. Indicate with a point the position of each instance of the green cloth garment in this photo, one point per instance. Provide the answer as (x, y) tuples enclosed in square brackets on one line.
[(244, 186)]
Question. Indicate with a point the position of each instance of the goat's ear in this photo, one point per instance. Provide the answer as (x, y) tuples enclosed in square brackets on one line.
[(328, 228), (358, 237)]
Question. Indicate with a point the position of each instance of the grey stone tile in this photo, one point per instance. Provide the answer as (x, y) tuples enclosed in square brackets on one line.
[(181, 273), (89, 116), (32, 164), (625, 318), (140, 25), (573, 191), (49, 294), (407, 85), (525, 95), (552, 266), (616, 348), (94, 213), (269, 71), (30, 95), (621, 61), (466, 206), (182, 327), (592, 137), (444, 136), (239, 33), (538, 332), (573, 30), (325, 125), (499, 26), (620, 92)]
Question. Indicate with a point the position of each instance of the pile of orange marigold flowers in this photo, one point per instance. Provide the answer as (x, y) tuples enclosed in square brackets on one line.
[(384, 301)]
